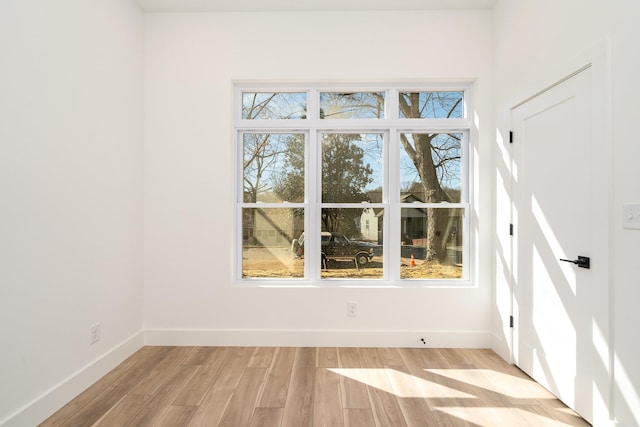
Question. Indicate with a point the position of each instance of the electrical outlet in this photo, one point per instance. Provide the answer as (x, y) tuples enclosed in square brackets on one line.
[(95, 333), (352, 309)]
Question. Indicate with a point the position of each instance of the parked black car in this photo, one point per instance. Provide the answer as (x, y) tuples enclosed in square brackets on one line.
[(337, 247)]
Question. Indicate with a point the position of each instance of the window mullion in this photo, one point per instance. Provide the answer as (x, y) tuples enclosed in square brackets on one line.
[(313, 106), (312, 262), (465, 167), (393, 108), (392, 239)]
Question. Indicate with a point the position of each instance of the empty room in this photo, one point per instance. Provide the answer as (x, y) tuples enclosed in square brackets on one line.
[(287, 213)]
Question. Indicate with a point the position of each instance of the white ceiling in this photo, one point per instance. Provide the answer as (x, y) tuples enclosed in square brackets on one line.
[(306, 5)]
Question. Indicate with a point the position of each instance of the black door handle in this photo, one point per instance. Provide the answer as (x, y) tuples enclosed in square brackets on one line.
[(582, 261)]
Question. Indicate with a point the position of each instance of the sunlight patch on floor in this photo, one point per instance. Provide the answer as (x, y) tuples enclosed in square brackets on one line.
[(400, 383), (505, 384)]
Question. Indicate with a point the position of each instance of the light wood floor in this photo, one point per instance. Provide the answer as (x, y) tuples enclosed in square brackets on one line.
[(304, 387)]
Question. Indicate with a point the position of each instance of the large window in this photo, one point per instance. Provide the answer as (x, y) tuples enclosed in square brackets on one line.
[(353, 185)]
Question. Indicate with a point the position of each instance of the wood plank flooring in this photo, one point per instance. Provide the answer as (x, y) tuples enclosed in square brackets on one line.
[(314, 387)]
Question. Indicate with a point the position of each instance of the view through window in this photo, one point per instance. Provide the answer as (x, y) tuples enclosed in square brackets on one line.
[(346, 184)]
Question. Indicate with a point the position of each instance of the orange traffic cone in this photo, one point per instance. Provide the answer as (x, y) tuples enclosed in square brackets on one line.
[(413, 261)]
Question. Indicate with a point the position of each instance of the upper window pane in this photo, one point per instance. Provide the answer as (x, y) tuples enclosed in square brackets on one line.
[(273, 165), (351, 167), (430, 167), (352, 105), (274, 105), (431, 105)]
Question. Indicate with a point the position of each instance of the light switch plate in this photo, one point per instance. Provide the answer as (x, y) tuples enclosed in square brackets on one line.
[(631, 216)]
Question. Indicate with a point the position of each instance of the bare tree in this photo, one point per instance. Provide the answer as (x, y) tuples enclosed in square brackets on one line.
[(261, 153), (434, 158)]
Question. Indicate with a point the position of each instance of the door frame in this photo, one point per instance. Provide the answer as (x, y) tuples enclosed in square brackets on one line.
[(598, 59)]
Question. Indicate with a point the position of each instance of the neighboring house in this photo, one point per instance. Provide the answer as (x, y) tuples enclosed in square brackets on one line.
[(270, 227), (369, 225), (413, 225)]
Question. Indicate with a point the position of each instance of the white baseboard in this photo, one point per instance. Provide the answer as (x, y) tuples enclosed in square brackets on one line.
[(317, 338), (501, 347), (49, 402)]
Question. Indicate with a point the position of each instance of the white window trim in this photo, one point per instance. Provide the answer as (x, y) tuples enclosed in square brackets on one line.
[(391, 126)]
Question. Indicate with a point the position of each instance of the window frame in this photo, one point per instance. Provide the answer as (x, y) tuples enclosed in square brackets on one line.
[(391, 126)]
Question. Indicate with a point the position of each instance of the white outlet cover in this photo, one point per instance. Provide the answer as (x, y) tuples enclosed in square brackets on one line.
[(631, 216), (95, 333), (352, 309)]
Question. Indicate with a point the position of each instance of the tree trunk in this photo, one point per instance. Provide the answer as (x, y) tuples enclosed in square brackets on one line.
[(437, 222), (331, 219), (437, 219)]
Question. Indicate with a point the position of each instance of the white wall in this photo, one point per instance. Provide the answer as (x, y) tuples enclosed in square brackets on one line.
[(71, 197), (531, 38), (191, 61), (622, 25)]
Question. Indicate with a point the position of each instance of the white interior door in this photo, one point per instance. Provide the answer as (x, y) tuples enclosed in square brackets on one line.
[(557, 207)]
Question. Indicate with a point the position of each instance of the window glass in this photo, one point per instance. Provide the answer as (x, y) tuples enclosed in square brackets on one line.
[(431, 105), (430, 167), (351, 105), (273, 167), (351, 243), (274, 105), (432, 243), (269, 246), (352, 167)]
